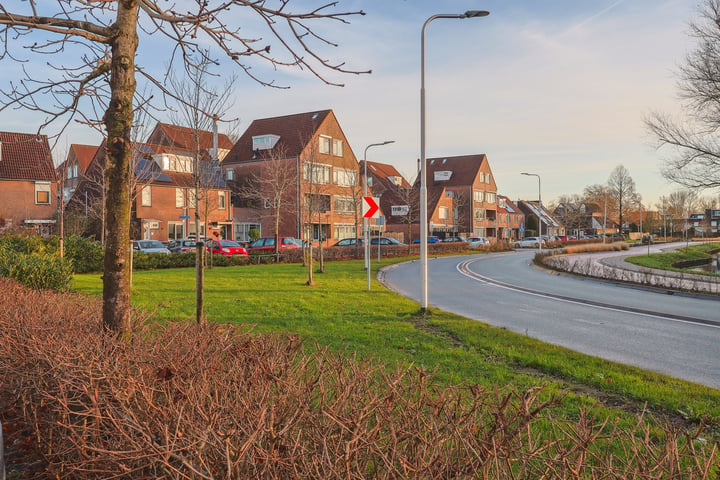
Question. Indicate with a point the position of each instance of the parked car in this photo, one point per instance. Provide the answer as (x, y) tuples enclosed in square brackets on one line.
[(228, 248), (431, 239), (385, 241), (182, 246), (533, 242), (477, 242), (349, 242), (454, 239), (149, 246), (267, 244)]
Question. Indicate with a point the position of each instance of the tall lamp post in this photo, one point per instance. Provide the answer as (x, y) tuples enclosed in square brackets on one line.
[(366, 221), (540, 239), (423, 181)]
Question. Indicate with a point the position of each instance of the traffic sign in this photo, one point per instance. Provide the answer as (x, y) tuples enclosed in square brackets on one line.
[(370, 208), (400, 210)]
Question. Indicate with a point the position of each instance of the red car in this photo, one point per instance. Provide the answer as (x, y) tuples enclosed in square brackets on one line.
[(226, 247), (267, 244)]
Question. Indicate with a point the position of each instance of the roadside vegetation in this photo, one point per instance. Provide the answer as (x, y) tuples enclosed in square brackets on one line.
[(676, 259), (330, 381)]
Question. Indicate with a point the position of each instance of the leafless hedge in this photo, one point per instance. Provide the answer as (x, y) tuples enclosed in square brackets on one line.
[(207, 402)]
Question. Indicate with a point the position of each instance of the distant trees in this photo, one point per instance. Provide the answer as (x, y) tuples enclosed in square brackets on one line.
[(694, 161), (621, 187)]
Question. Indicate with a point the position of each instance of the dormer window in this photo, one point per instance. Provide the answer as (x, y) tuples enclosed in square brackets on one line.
[(264, 142)]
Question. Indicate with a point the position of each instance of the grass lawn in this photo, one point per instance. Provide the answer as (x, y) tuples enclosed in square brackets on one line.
[(665, 260), (340, 313)]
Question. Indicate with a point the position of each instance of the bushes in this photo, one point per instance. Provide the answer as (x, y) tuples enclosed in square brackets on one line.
[(40, 271), (86, 254), (212, 401)]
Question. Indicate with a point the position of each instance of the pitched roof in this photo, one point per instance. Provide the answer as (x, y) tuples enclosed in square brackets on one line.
[(385, 171), (464, 169), (25, 156), (84, 155), (184, 138), (294, 131)]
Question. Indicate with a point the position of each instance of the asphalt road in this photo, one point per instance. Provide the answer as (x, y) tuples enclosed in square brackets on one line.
[(675, 334)]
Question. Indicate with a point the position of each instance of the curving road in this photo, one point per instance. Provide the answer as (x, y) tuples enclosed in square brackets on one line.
[(675, 334)]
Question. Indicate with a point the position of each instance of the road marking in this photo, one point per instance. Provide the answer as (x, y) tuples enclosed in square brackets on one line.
[(463, 268)]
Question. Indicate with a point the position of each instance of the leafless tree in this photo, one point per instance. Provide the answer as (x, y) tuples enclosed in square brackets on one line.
[(94, 45), (694, 160), (271, 186), (571, 210), (621, 187)]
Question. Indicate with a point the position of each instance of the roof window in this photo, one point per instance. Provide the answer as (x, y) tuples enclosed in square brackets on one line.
[(264, 142)]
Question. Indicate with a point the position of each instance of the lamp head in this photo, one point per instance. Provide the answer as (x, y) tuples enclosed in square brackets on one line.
[(476, 13)]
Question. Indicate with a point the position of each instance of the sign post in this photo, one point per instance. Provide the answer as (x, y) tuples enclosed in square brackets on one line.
[(370, 209)]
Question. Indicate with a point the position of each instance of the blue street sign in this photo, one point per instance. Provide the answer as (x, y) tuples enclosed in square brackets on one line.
[(184, 217)]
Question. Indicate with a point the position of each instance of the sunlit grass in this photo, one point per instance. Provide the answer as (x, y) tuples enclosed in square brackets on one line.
[(339, 312)]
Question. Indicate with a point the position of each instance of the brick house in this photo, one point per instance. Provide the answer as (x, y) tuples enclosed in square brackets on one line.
[(28, 183), (398, 200), (551, 226), (74, 167), (310, 156), (510, 219), (461, 196), (183, 139), (163, 199)]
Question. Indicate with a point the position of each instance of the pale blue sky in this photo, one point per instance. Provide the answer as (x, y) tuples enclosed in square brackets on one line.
[(559, 90)]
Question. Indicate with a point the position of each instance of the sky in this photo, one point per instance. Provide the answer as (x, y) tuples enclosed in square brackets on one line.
[(559, 89)]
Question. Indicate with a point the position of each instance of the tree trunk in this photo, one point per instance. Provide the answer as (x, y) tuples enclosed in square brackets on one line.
[(118, 123)]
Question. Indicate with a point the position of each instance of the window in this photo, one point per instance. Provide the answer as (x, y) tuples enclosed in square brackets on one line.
[(75, 171), (176, 230), (478, 196), (337, 146), (146, 196), (479, 214), (317, 173), (179, 198), (42, 193), (490, 197), (344, 177), (191, 229), (487, 178), (269, 203), (443, 213), (324, 145), (242, 231), (264, 142), (317, 203), (482, 177), (230, 174), (341, 231), (192, 198), (222, 200), (177, 163), (343, 205)]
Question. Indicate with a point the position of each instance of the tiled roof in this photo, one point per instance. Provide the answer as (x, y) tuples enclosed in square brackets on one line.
[(384, 170), (294, 131), (184, 138), (25, 156), (464, 169), (84, 155)]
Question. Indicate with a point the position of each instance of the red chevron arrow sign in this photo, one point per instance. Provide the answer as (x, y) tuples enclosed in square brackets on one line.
[(370, 207)]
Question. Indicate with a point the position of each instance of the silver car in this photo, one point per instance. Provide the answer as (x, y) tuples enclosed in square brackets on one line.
[(533, 242), (149, 246)]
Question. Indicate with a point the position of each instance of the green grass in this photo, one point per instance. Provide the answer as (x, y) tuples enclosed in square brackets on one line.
[(665, 260), (340, 313)]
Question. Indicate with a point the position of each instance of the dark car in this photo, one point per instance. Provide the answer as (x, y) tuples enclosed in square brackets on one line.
[(228, 248), (349, 242), (267, 244), (182, 246), (430, 239), (385, 241)]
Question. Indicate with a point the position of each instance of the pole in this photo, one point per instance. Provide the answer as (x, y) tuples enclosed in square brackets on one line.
[(366, 221), (539, 215), (423, 181)]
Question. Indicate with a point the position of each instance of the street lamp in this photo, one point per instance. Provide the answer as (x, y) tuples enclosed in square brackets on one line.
[(423, 182), (366, 221), (540, 239)]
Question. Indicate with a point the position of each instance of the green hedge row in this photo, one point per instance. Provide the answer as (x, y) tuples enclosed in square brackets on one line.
[(37, 270)]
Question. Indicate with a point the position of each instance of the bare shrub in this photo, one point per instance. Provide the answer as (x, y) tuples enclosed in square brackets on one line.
[(212, 401)]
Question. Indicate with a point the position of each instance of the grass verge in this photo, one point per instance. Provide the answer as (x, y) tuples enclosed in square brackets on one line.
[(339, 312), (666, 260)]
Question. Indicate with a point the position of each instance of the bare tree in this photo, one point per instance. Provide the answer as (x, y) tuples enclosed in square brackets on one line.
[(621, 187), (102, 37), (694, 160), (572, 211), (271, 186)]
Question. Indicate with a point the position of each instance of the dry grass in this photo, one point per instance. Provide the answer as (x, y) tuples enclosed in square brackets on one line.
[(207, 402), (596, 247)]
